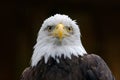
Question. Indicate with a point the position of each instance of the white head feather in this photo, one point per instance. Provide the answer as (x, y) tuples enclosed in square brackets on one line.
[(47, 46)]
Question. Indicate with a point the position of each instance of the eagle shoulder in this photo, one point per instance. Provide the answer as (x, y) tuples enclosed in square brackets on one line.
[(28, 74), (96, 68)]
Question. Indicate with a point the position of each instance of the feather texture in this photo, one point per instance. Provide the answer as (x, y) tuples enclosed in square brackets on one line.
[(87, 67)]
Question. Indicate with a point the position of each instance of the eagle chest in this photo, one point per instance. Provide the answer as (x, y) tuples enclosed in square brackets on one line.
[(66, 69)]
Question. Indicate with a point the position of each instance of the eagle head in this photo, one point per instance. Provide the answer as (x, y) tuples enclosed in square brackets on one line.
[(59, 35)]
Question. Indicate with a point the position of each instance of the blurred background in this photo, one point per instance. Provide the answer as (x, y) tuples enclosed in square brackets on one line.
[(99, 22)]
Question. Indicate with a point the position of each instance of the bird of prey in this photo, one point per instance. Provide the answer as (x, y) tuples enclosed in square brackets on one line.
[(59, 54)]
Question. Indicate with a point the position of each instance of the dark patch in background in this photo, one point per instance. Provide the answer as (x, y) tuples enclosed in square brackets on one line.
[(21, 20)]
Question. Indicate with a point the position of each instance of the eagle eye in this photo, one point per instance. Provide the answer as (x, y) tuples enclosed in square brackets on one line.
[(49, 28), (69, 29)]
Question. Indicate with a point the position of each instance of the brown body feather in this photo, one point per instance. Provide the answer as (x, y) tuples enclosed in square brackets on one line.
[(87, 67)]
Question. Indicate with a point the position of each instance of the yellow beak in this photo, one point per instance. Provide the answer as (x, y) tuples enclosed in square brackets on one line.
[(59, 31)]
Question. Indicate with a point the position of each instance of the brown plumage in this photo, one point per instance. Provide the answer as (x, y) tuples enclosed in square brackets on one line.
[(87, 67), (60, 55)]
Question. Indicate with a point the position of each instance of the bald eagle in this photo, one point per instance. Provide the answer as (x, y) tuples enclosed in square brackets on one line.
[(60, 55)]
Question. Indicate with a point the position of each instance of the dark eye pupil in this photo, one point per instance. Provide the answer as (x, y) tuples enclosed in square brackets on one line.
[(49, 28), (69, 28)]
